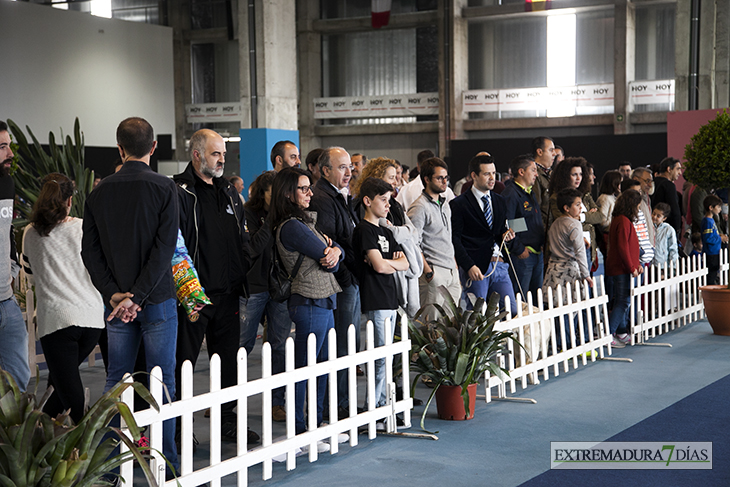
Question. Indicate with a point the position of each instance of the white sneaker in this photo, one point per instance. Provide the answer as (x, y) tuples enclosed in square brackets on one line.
[(341, 438), (322, 447), (624, 338), (282, 458)]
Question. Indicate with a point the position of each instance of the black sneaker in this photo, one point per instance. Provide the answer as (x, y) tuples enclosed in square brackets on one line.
[(229, 432)]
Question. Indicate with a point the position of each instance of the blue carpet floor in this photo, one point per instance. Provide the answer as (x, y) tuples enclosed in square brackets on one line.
[(702, 416)]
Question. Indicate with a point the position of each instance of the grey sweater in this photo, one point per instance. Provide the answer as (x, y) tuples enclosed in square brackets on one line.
[(433, 225)]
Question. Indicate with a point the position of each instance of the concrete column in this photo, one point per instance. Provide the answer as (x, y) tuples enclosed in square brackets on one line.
[(459, 68), (623, 63), (722, 55), (682, 54), (244, 64), (276, 64), (453, 70), (309, 62), (180, 22), (706, 78)]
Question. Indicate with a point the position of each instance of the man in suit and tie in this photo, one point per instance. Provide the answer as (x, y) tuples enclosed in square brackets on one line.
[(479, 223)]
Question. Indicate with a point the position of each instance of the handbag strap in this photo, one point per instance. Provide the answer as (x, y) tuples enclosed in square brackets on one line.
[(298, 264)]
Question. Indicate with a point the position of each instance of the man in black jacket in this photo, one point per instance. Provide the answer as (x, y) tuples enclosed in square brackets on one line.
[(215, 233), (130, 230), (336, 220), (666, 192), (527, 246)]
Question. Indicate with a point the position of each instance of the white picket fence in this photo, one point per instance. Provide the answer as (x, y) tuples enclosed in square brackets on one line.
[(667, 298), (261, 389), (535, 327)]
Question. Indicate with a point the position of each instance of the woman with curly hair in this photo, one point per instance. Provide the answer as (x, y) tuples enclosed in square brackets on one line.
[(573, 173), (622, 262)]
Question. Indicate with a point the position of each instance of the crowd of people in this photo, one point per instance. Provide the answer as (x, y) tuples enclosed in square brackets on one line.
[(357, 238)]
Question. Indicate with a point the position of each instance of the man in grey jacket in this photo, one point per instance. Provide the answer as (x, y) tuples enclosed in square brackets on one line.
[(431, 215)]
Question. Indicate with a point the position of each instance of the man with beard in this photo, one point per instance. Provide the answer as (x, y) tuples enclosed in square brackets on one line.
[(13, 333), (431, 215), (214, 228), (666, 192), (285, 154), (479, 220)]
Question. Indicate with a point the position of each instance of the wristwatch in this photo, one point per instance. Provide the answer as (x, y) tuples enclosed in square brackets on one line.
[(429, 275)]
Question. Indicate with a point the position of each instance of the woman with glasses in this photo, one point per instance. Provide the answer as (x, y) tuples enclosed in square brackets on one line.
[(70, 310), (314, 287)]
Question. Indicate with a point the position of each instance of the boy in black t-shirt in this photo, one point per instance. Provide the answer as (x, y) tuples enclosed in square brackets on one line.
[(379, 257)]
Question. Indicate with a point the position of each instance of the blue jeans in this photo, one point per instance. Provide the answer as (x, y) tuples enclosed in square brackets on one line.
[(14, 342), (618, 320), (310, 319), (378, 318), (499, 283), (528, 272), (277, 331), (156, 325), (347, 313)]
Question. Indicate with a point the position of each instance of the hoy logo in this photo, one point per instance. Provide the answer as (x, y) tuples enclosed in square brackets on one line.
[(600, 91), (394, 101), (470, 97), (321, 104), (491, 96), (413, 101), (376, 102), (358, 103), (512, 95), (638, 88), (663, 87), (211, 109), (339, 103)]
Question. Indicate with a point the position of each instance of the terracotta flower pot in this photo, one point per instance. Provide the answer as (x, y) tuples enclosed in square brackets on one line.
[(450, 405), (717, 307)]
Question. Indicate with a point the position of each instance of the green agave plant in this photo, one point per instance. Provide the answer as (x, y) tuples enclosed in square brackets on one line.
[(457, 347), (36, 450), (32, 163)]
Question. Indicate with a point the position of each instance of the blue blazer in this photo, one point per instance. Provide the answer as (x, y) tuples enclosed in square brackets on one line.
[(472, 238)]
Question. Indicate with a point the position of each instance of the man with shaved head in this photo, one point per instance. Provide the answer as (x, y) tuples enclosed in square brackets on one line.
[(215, 232)]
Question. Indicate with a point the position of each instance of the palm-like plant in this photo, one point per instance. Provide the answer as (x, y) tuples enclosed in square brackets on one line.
[(458, 347), (36, 450), (32, 163)]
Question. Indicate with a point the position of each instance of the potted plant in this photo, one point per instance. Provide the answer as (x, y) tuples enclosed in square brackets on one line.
[(454, 350), (708, 166), (32, 163), (37, 450)]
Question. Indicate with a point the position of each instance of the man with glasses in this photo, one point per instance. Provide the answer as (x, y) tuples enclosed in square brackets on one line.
[(646, 188), (431, 215), (336, 220), (479, 219)]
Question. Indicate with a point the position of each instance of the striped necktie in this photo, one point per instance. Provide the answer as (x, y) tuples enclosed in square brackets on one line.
[(487, 210)]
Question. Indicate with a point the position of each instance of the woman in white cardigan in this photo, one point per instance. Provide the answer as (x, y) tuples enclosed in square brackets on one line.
[(70, 311)]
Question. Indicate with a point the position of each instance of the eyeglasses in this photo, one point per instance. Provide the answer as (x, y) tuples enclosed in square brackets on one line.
[(441, 179), (647, 180), (305, 189)]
